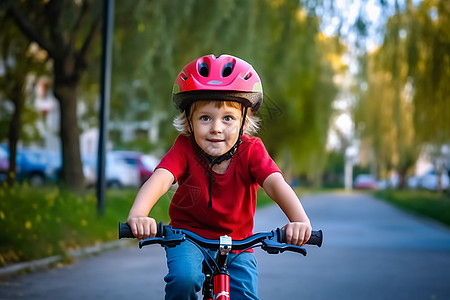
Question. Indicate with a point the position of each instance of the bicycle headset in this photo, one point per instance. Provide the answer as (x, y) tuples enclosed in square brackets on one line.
[(223, 78)]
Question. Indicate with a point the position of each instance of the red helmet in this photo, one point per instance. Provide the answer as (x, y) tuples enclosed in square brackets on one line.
[(218, 78)]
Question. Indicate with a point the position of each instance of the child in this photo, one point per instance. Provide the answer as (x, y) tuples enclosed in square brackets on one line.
[(218, 167)]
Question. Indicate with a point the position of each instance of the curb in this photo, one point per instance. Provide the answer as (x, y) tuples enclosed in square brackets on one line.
[(46, 263)]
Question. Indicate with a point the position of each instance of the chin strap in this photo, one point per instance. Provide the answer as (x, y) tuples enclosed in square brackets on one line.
[(217, 160)]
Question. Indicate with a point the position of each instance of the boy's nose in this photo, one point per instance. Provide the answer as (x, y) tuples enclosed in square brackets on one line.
[(216, 127)]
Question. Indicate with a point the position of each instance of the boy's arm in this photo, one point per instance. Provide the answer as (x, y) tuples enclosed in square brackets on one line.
[(298, 231), (156, 186)]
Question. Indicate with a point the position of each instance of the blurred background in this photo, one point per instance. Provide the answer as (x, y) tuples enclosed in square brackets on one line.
[(356, 95)]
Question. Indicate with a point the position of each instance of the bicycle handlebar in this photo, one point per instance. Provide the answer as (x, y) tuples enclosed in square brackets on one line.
[(272, 242)]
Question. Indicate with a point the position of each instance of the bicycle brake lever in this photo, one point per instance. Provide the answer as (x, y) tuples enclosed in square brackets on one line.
[(273, 247), (169, 241)]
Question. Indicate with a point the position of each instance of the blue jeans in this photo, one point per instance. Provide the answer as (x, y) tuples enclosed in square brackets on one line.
[(185, 277)]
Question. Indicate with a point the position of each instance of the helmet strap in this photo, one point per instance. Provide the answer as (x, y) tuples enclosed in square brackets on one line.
[(217, 160)]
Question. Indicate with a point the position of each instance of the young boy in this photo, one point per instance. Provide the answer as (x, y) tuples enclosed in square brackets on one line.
[(218, 167)]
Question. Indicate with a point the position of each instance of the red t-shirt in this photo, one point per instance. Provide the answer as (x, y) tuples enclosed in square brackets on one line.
[(233, 193)]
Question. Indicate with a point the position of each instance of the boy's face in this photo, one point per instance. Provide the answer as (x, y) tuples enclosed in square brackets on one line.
[(216, 129)]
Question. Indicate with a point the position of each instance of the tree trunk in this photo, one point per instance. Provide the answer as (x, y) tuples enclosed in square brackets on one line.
[(402, 179), (72, 171), (14, 131)]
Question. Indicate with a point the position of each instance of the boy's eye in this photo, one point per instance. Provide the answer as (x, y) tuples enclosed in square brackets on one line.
[(230, 118), (204, 118)]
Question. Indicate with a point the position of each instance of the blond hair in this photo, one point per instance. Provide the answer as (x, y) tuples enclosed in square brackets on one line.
[(181, 124)]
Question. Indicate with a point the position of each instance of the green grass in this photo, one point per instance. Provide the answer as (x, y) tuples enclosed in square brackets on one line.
[(38, 223), (430, 204), (263, 199)]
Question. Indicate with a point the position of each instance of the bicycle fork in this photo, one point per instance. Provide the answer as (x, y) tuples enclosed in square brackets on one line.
[(220, 283)]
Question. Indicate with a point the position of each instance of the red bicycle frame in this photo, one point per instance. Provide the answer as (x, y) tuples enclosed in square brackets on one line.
[(222, 286)]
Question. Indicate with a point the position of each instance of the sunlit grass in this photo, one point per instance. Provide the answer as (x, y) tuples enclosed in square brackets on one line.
[(434, 205), (49, 221)]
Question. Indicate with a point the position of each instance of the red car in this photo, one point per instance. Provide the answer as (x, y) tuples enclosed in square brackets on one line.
[(145, 163), (365, 182), (4, 163)]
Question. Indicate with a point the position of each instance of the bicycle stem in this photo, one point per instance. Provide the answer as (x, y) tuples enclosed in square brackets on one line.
[(221, 277)]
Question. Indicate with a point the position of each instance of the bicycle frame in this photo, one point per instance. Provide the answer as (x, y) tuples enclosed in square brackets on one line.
[(221, 287), (217, 284)]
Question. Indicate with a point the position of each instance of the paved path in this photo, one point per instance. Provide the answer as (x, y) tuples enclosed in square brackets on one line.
[(370, 251)]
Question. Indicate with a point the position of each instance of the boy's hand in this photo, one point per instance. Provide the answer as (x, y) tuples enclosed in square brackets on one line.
[(142, 227), (297, 233)]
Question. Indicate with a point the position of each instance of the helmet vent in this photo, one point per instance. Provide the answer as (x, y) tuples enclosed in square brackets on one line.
[(247, 76), (203, 69), (227, 69)]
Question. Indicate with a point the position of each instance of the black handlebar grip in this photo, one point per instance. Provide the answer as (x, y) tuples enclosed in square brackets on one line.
[(125, 231), (160, 229), (315, 239), (281, 235)]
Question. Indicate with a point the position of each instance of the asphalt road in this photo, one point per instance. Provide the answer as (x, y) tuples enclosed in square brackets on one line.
[(371, 251)]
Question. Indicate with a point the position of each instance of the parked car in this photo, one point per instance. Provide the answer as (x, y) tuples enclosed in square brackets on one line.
[(4, 163), (118, 171), (37, 166), (143, 162), (430, 180), (413, 182), (365, 182)]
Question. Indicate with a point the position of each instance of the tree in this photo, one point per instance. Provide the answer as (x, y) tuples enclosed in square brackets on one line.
[(429, 57), (408, 86), (18, 63), (299, 82), (386, 109), (66, 30), (428, 35)]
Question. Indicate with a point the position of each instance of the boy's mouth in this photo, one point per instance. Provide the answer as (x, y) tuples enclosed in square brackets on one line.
[(215, 140)]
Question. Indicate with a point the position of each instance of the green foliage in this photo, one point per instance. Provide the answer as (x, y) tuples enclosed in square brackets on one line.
[(140, 143), (407, 80), (20, 63), (430, 204), (263, 199), (62, 32), (333, 174), (429, 43), (38, 223)]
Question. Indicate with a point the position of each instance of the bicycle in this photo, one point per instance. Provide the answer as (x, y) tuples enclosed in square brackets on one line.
[(217, 279)]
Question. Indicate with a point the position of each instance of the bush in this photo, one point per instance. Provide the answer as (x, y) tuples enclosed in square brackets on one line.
[(48, 221)]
